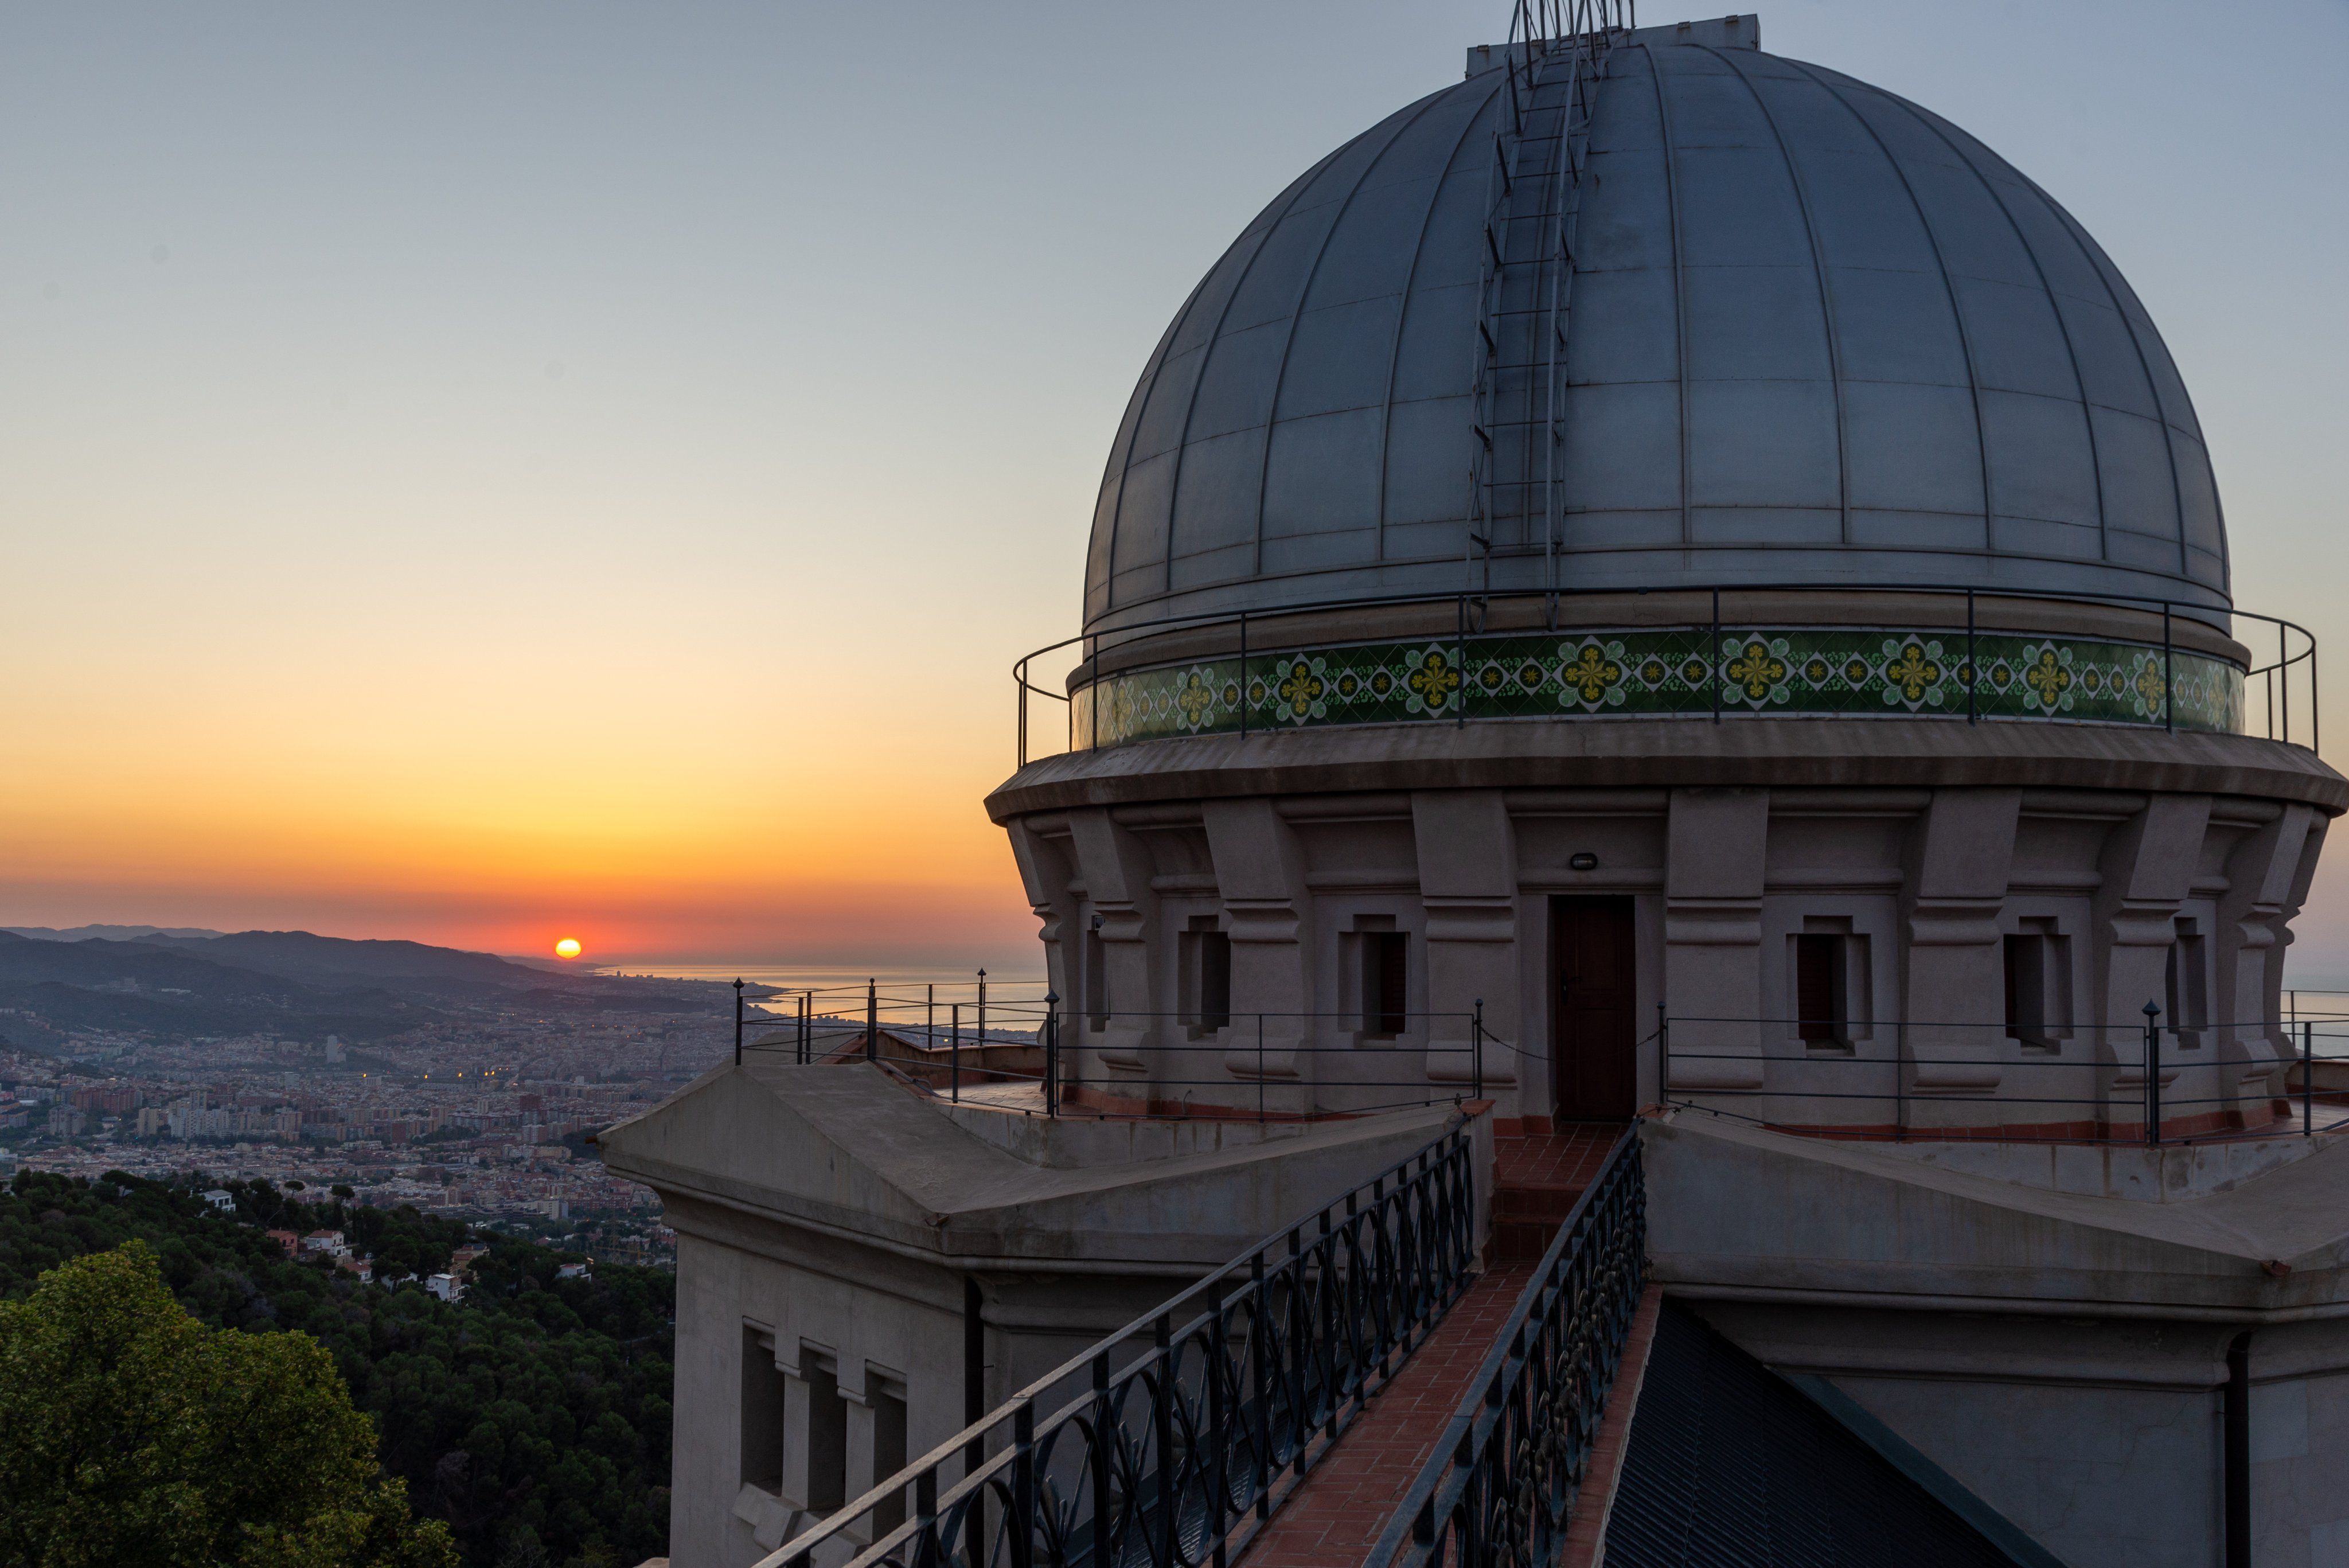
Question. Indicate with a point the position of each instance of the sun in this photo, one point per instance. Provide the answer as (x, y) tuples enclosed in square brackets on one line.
[(568, 948)]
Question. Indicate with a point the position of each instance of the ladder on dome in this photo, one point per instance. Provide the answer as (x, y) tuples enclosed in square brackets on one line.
[(1557, 54)]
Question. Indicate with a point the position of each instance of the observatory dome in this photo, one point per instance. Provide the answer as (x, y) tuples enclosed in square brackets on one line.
[(1811, 335)]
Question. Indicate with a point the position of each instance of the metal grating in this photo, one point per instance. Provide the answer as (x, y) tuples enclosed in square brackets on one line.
[(1729, 1464)]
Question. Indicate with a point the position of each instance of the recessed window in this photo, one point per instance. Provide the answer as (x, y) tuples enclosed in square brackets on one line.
[(2038, 982), (1386, 983), (888, 1449), (2185, 983), (1822, 1003), (762, 1412), (1095, 977), (2027, 990), (827, 1438), (1207, 959)]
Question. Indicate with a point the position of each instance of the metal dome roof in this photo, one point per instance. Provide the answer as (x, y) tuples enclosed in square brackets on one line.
[(1817, 335)]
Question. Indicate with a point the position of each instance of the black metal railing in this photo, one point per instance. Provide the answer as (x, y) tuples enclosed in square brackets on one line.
[(1171, 1456), (2151, 1083), (1033, 1056), (1500, 1489), (2286, 685)]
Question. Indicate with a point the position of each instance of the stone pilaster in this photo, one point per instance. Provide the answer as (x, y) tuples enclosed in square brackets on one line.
[(2264, 886), (2147, 870), (1468, 854), (1954, 980), (1269, 913), (1716, 858), (1114, 867), (1044, 876)]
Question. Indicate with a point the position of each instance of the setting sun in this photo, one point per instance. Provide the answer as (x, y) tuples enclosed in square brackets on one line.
[(568, 948)]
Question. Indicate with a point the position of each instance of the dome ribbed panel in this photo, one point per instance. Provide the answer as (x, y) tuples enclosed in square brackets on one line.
[(1818, 335)]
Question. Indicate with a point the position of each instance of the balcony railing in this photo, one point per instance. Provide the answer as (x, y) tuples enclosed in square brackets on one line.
[(1170, 1442), (1950, 663), (1022, 1055), (1501, 1487), (2153, 1083)]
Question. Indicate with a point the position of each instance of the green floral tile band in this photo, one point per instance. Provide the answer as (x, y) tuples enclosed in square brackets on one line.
[(1774, 670)]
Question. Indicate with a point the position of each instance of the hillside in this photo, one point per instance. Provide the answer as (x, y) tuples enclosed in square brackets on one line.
[(291, 984)]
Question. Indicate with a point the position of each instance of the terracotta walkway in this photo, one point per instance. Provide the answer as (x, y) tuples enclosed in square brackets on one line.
[(1536, 1180), (1331, 1521)]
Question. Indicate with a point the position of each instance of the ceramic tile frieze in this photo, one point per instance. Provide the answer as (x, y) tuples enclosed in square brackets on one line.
[(1788, 670)]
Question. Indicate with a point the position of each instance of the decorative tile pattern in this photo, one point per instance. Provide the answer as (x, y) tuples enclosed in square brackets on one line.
[(1781, 670)]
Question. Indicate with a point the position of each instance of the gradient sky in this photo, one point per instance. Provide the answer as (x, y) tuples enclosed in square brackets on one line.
[(486, 473)]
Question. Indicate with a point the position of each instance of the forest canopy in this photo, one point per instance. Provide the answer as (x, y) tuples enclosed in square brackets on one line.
[(532, 1416)]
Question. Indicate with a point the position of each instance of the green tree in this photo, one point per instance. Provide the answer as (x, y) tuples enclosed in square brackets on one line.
[(132, 1436)]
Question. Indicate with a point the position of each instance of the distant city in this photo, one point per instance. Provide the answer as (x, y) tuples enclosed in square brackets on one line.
[(460, 1084)]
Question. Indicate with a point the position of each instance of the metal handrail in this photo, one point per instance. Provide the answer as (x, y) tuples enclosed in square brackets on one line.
[(2287, 656), (2159, 1054), (1499, 1489), (1180, 1455), (1224, 1041)]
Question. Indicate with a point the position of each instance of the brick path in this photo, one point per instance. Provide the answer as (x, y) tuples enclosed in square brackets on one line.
[(1331, 1521), (1346, 1500), (1537, 1179)]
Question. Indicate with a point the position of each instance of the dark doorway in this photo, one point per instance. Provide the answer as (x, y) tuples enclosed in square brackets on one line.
[(1594, 1042)]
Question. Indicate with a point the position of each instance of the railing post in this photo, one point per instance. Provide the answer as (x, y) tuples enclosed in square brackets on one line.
[(2169, 687), (982, 1018), (1019, 1530), (738, 1021), (1715, 652), (1169, 1499), (954, 1056), (2152, 1072), (1244, 702), (1663, 1056), (1299, 1353), (1476, 1049), (1219, 1435), (1460, 658), (1970, 713), (929, 1017), (1260, 1377), (1099, 1441), (1051, 1053), (2308, 1078)]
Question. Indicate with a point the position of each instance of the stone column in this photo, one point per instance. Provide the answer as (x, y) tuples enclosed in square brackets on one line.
[(2147, 870), (1717, 850), (1467, 854), (2266, 879), (1953, 991), (1115, 870), (1260, 874)]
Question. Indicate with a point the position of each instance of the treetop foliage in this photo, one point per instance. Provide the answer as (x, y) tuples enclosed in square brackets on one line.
[(531, 1418), (132, 1436)]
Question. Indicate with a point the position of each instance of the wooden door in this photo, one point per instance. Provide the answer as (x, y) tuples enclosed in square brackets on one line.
[(1594, 986)]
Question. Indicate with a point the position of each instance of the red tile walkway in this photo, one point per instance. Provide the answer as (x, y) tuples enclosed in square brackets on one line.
[(1537, 1179), (1330, 1519)]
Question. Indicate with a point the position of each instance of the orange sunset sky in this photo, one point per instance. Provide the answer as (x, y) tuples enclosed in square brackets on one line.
[(493, 475)]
